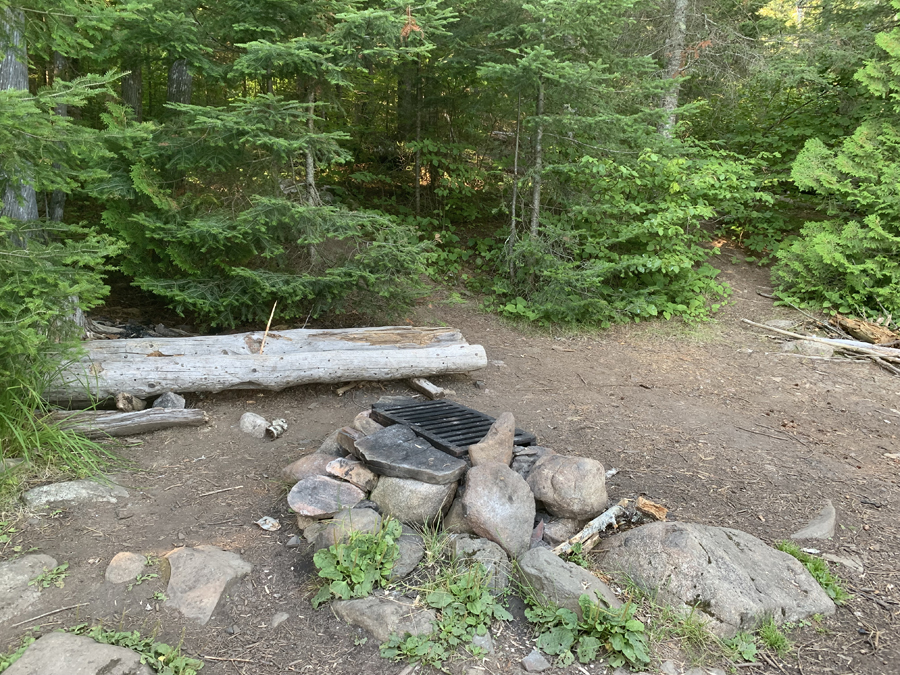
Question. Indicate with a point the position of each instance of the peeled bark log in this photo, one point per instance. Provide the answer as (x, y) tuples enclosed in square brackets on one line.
[(102, 424)]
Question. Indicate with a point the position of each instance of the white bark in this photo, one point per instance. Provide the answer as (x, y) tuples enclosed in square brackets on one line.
[(674, 64), (538, 163), (102, 423)]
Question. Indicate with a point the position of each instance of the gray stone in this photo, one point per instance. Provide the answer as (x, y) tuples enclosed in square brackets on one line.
[(279, 619), (74, 492), (253, 424), (820, 527), (382, 616), (561, 582), (729, 575), (365, 424), (313, 464), (397, 451), (535, 662), (322, 497), (353, 471), (499, 506), (330, 446), (558, 530), (668, 667), (15, 593), (312, 532), (367, 504), (67, 654), (455, 521), (345, 523), (783, 324), (412, 550), (200, 577), (170, 400), (569, 487), (9, 463), (125, 567), (412, 501), (293, 542), (128, 402), (304, 522), (484, 643), (497, 445), (808, 348), (525, 457), (472, 550)]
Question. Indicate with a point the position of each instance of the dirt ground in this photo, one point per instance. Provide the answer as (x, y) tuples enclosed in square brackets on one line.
[(711, 421)]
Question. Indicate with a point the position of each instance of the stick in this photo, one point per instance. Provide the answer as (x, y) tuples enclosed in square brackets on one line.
[(220, 658), (41, 616), (215, 492), (598, 524), (268, 325), (827, 341), (760, 433)]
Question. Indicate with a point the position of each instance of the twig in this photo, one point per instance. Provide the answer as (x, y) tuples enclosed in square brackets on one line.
[(268, 324), (598, 524), (884, 364), (828, 341), (760, 433), (41, 616), (215, 492), (221, 658)]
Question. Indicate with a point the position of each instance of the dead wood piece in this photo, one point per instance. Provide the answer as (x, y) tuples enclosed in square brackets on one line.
[(102, 424), (340, 391), (598, 524), (652, 509), (847, 345), (865, 330), (423, 386)]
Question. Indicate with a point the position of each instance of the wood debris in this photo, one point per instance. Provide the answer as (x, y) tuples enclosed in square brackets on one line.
[(652, 509)]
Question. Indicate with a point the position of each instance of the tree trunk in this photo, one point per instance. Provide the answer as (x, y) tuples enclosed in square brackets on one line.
[(674, 65), (312, 194), (103, 423), (56, 207), (538, 162), (406, 102), (180, 83), (515, 195), (19, 198), (133, 88), (418, 167)]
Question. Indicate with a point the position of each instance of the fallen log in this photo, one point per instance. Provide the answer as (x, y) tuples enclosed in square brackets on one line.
[(598, 524), (429, 389), (102, 424), (101, 377), (865, 348)]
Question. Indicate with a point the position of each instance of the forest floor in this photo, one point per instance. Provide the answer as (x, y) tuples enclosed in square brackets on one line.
[(711, 421)]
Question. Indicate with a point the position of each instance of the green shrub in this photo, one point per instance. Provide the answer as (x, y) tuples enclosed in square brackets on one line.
[(819, 570)]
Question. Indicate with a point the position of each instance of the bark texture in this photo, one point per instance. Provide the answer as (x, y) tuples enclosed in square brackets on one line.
[(674, 64)]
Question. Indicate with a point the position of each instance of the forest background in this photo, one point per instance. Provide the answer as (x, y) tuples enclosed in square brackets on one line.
[(568, 161)]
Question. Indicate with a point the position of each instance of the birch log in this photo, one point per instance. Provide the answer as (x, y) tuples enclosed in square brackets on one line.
[(101, 423)]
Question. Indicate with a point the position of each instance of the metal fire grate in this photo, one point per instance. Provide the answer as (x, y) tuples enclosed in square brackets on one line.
[(446, 425)]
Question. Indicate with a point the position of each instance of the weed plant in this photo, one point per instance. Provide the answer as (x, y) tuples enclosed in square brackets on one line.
[(819, 570)]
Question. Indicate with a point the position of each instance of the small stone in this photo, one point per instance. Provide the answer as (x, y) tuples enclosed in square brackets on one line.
[(569, 487), (75, 492), (15, 593), (200, 577), (330, 446), (365, 424), (535, 662), (808, 348), (497, 445), (305, 521), (312, 532), (64, 654), (475, 550), (314, 464), (127, 402), (322, 497), (254, 425), (279, 619), (397, 451), (125, 512), (353, 471), (412, 550), (293, 542), (455, 520), (669, 668), (345, 523), (412, 501), (382, 616), (499, 506), (170, 401), (820, 527), (484, 643), (125, 567), (561, 582), (558, 530)]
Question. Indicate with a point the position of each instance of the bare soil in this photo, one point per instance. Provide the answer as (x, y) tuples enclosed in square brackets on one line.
[(711, 421)]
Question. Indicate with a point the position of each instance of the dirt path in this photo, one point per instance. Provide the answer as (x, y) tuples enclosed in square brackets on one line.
[(706, 421)]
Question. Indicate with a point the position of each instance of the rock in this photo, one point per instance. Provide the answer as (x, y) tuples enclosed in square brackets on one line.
[(75, 492), (561, 582), (382, 616), (353, 471), (200, 577), (330, 446), (127, 402), (808, 348), (569, 487), (782, 324), (125, 567), (347, 437), (170, 400), (322, 497), (820, 527), (412, 501), (472, 550), (312, 532), (305, 521), (313, 464), (497, 445), (9, 463), (412, 550), (731, 576), (499, 506), (15, 593), (524, 458), (279, 619), (67, 654), (558, 530), (535, 662), (345, 523), (455, 521), (668, 667), (367, 504), (484, 643), (397, 451), (293, 542), (365, 424), (253, 424)]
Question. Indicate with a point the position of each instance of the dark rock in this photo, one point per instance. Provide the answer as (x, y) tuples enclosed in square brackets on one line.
[(499, 506), (397, 451), (170, 400), (330, 446), (525, 457), (558, 530)]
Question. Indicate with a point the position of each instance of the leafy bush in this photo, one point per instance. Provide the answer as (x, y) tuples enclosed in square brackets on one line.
[(355, 568), (819, 570)]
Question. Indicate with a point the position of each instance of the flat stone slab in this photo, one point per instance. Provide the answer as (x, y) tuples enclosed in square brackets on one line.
[(820, 527), (397, 451), (74, 492), (125, 567), (728, 575), (498, 505), (66, 654), (412, 501), (323, 497), (15, 593), (353, 471), (383, 616), (561, 582), (200, 577)]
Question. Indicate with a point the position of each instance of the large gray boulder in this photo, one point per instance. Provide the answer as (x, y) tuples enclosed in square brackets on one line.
[(383, 616), (200, 577), (66, 654), (499, 505), (569, 487), (74, 492), (560, 582), (729, 575), (15, 593), (412, 501)]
